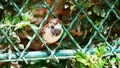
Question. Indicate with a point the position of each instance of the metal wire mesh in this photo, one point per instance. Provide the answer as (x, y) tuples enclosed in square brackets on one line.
[(55, 53)]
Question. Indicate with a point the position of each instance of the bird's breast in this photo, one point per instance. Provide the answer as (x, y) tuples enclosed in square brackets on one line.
[(50, 38)]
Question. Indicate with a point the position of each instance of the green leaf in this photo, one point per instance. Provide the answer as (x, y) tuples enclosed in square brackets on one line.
[(27, 16), (21, 25), (17, 19), (85, 34), (83, 58), (8, 19), (1, 6), (102, 13), (100, 50), (81, 55), (82, 65), (99, 11), (97, 23)]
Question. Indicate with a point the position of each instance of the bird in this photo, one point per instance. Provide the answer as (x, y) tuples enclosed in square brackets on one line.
[(53, 31)]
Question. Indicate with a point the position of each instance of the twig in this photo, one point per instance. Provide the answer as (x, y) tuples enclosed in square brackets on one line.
[(111, 28)]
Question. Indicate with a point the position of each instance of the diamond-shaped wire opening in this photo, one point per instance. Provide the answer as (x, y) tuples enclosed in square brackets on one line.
[(91, 22)]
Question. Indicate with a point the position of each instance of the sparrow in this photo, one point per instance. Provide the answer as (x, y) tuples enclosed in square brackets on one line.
[(53, 31)]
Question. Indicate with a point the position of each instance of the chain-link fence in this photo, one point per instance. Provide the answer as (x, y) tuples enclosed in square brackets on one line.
[(93, 31)]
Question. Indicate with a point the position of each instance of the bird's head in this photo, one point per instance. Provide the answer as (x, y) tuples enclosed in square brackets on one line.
[(56, 27)]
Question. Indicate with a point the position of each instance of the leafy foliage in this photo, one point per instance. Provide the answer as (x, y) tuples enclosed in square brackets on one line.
[(98, 59)]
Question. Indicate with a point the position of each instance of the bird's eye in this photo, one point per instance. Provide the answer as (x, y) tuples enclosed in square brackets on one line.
[(52, 26)]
